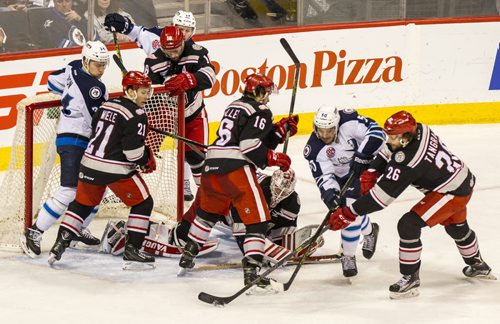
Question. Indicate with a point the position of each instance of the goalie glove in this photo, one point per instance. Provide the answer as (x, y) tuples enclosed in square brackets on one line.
[(118, 23), (180, 83), (150, 166)]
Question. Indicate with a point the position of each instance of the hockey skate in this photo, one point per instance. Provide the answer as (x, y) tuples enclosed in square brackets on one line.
[(86, 238), (349, 268), (264, 286), (135, 259), (479, 270), (191, 250), (64, 238), (30, 242), (188, 195), (406, 287), (370, 242)]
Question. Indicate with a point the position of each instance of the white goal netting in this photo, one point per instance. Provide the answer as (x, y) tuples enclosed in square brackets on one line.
[(33, 172)]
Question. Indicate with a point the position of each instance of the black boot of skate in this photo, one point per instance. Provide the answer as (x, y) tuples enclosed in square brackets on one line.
[(30, 241), (370, 242), (86, 238), (135, 259), (405, 287), (191, 250), (349, 268), (264, 286), (479, 269), (64, 238)]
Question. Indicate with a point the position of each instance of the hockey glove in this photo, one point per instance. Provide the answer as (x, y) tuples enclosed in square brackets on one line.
[(367, 180), (118, 23), (360, 162), (341, 218), (180, 83), (287, 124), (150, 166), (332, 199), (278, 159)]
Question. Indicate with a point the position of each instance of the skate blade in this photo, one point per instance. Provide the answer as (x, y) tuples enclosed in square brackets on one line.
[(489, 276), (138, 266), (25, 248), (73, 244), (274, 288), (407, 294), (182, 272), (52, 259)]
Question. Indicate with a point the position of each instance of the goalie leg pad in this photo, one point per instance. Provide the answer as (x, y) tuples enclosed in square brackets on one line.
[(113, 238)]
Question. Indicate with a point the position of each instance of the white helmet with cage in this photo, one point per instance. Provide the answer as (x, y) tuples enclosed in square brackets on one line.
[(282, 185), (95, 51), (184, 18)]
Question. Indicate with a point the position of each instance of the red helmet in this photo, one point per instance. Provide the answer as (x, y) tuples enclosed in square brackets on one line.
[(135, 79), (255, 80), (171, 37), (400, 123)]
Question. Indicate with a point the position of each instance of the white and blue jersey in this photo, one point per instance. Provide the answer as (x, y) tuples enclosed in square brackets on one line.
[(81, 96), (330, 163)]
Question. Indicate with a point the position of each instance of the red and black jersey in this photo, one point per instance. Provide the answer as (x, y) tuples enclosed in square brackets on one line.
[(425, 163), (245, 134), (116, 147), (194, 59)]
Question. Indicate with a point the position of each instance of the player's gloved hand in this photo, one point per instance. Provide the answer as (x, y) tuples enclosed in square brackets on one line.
[(180, 83), (367, 180), (287, 124), (118, 23), (360, 162), (341, 218), (278, 159), (150, 166), (332, 199)]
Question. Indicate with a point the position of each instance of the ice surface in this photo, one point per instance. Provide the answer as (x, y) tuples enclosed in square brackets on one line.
[(86, 287)]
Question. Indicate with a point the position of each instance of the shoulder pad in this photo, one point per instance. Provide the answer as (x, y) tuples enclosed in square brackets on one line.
[(312, 148)]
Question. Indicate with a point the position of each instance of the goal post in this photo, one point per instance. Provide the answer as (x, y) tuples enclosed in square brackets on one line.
[(33, 173)]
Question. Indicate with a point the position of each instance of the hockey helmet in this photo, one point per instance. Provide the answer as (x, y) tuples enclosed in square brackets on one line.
[(184, 18), (327, 117), (282, 185), (135, 79), (171, 37), (95, 51), (400, 123), (253, 81)]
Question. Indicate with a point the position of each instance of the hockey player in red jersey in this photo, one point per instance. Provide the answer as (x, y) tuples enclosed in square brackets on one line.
[(246, 140), (115, 151), (416, 156)]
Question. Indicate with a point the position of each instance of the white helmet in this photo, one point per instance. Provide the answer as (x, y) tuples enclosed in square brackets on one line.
[(327, 117), (184, 18), (95, 51), (282, 185)]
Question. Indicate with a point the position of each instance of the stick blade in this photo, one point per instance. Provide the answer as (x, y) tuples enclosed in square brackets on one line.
[(119, 63), (289, 50), (211, 299)]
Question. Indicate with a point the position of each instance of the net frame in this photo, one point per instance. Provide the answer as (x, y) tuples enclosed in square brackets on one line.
[(47, 101)]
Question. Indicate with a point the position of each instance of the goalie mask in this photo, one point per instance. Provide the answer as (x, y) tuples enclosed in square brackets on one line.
[(326, 123), (282, 186)]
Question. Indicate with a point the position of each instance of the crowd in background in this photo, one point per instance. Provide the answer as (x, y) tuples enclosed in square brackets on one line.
[(40, 24)]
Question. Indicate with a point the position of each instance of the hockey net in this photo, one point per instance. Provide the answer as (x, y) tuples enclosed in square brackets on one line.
[(33, 172)]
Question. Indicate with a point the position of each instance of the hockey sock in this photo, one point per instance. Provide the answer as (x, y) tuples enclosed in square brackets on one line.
[(138, 221), (87, 220), (202, 226), (466, 241), (350, 237), (410, 246), (366, 225)]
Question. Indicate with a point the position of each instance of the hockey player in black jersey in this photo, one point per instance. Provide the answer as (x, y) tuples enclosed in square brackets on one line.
[(416, 156), (115, 153)]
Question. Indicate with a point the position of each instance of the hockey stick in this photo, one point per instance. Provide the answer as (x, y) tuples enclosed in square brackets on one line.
[(118, 56), (313, 259), (192, 144), (323, 225), (296, 62), (220, 301)]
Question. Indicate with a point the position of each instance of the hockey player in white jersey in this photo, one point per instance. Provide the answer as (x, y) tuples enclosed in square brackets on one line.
[(82, 93), (344, 142), (149, 40)]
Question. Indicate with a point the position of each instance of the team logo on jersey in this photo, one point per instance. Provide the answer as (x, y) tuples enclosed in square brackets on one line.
[(330, 152), (307, 150), (348, 110), (399, 157), (140, 112), (196, 47), (95, 93)]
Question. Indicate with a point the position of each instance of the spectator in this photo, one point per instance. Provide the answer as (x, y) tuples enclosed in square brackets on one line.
[(101, 9), (3, 40)]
